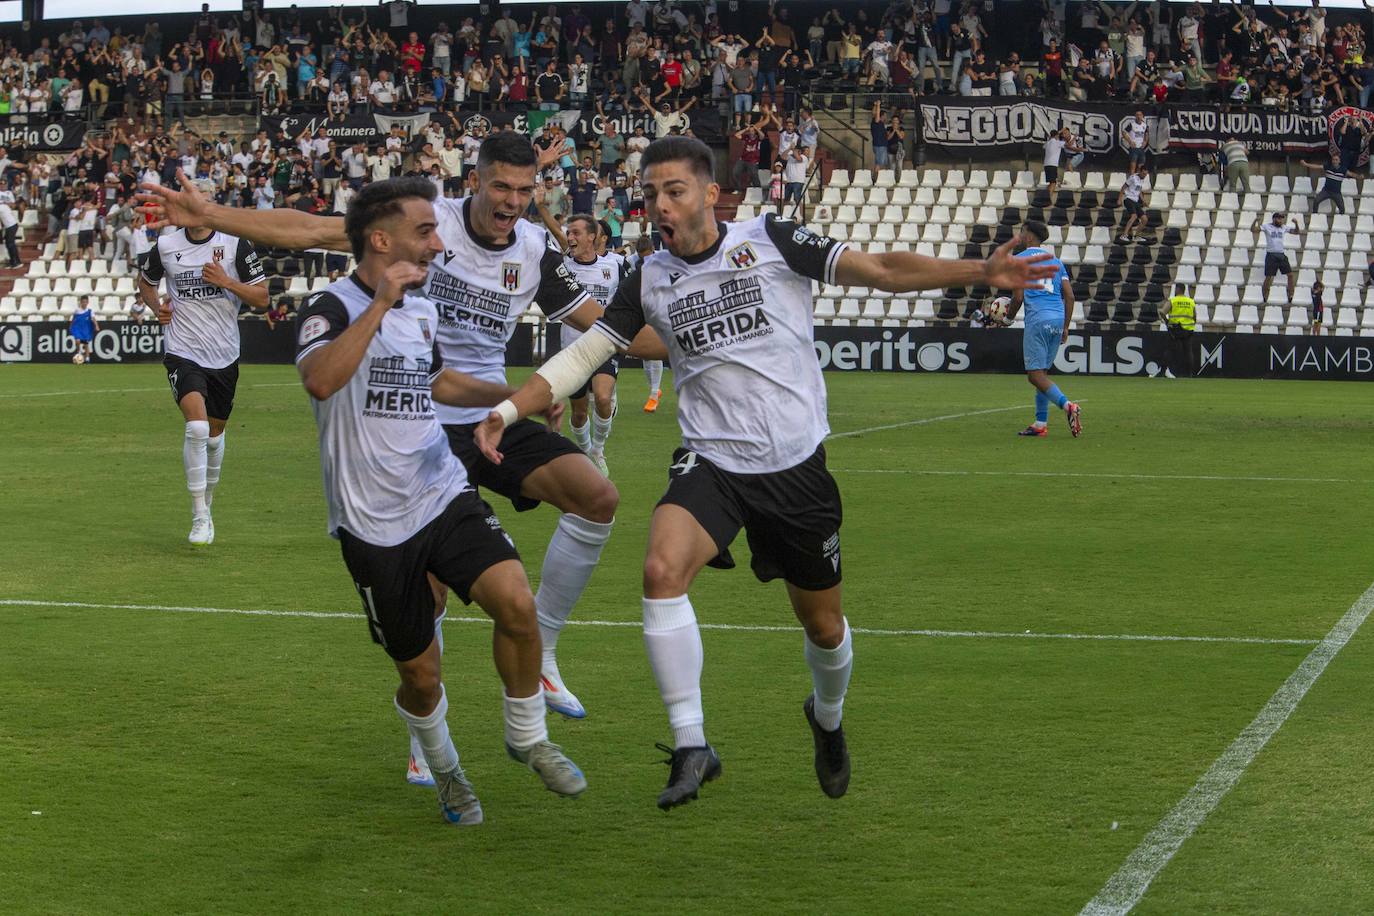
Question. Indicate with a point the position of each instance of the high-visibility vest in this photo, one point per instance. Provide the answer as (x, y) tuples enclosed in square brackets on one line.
[(1183, 312)]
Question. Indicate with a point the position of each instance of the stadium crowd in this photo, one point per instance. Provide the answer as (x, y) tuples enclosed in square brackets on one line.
[(662, 61)]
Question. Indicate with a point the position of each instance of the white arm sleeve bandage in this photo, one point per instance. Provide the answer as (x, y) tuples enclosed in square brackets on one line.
[(566, 372)]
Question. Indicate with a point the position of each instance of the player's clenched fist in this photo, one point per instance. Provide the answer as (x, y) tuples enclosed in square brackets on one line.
[(400, 277)]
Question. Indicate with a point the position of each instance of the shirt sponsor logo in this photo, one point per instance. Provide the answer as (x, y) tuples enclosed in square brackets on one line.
[(742, 256), (510, 275), (701, 325), (397, 393)]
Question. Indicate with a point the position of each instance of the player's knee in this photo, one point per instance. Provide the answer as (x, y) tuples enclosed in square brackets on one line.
[(578, 414), (825, 628), (604, 405), (422, 684), (599, 503), (516, 619), (663, 577)]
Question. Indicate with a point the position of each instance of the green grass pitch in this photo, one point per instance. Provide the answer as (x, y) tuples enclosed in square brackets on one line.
[(200, 762)]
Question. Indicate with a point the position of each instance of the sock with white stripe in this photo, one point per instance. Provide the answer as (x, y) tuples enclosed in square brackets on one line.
[(430, 735), (1042, 409), (601, 430), (193, 458), (525, 726), (214, 459), (568, 563), (581, 435), (653, 368), (673, 642), (830, 669)]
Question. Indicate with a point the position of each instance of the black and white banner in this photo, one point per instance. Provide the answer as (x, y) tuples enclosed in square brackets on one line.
[(42, 134), (1203, 128), (1095, 352), (993, 127)]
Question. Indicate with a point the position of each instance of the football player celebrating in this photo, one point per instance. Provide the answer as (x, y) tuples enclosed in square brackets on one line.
[(751, 405)]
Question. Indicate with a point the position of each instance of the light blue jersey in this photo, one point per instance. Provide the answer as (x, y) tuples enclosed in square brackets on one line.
[(1045, 302)]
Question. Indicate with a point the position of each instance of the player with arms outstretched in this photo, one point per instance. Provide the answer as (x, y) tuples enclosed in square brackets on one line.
[(1049, 308), (400, 503), (733, 303), (209, 275)]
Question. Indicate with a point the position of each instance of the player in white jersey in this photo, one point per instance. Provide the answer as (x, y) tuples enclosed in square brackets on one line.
[(1275, 258), (400, 502), (209, 275), (599, 274), (733, 304), (494, 266)]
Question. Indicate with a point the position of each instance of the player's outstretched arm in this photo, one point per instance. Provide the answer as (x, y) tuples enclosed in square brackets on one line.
[(551, 382), (284, 228), (646, 344), (327, 369), (906, 271)]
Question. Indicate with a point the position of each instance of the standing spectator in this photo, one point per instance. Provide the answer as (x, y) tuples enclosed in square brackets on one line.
[(549, 88), (441, 43), (1318, 315), (1135, 137), (877, 131), (1333, 182), (962, 47), (896, 142), (412, 54), (579, 82), (1237, 165), (795, 163), (1134, 199), (1054, 152), (741, 83), (9, 223), (636, 145), (1275, 258), (746, 170)]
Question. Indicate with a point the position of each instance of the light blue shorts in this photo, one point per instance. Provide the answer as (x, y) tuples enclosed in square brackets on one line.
[(1040, 343)]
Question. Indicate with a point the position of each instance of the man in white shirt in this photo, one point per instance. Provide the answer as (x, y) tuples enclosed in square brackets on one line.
[(1054, 150), (1135, 139), (9, 223), (1275, 258), (382, 92), (1133, 200)]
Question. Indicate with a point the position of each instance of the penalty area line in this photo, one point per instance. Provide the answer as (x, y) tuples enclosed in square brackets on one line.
[(727, 627), (1124, 889), (74, 391)]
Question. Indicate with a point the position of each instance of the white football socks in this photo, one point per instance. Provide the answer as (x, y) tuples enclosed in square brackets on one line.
[(525, 726), (601, 430), (673, 643), (653, 368), (581, 435), (568, 563), (830, 669), (415, 750), (430, 734), (214, 458), (193, 458)]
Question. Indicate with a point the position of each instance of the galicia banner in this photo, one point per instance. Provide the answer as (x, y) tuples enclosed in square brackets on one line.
[(994, 127), (41, 134)]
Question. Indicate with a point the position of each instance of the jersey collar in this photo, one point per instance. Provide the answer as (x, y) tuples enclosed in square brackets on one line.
[(369, 291), (702, 256)]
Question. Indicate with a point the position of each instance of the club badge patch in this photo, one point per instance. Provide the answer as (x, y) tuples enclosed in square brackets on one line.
[(510, 275), (424, 329), (742, 256), (315, 326), (219, 253)]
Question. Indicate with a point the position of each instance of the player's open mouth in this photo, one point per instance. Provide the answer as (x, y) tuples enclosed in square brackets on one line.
[(666, 231), (503, 220)]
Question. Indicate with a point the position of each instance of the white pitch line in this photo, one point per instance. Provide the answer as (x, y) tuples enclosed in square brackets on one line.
[(55, 394), (1095, 475), (740, 628), (1125, 888), (921, 422)]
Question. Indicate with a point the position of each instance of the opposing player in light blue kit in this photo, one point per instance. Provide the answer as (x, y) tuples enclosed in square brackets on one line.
[(1048, 309)]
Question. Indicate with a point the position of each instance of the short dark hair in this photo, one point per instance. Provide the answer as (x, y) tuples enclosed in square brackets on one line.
[(605, 229), (506, 147), (377, 201), (584, 218), (1037, 229), (681, 149)]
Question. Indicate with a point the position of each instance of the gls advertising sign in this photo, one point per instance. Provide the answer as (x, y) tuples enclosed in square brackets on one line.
[(1093, 352)]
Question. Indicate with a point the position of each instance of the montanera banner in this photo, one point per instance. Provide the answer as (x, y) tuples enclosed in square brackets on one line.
[(994, 127)]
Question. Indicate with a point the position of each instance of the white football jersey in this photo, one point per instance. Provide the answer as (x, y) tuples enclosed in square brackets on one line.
[(388, 469), (599, 278), (205, 318), (737, 321), (481, 291)]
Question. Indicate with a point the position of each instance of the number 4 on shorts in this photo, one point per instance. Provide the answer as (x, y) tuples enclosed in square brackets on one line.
[(685, 465)]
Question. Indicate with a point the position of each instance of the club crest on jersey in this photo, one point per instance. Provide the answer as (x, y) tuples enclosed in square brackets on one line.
[(219, 253), (605, 273), (742, 256), (510, 275), (424, 329)]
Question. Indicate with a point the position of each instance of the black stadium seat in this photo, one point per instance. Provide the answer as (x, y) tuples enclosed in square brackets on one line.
[(1098, 311), (1117, 254), (1150, 311), (1160, 274), (980, 234), (1111, 273), (1166, 256), (948, 311)]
